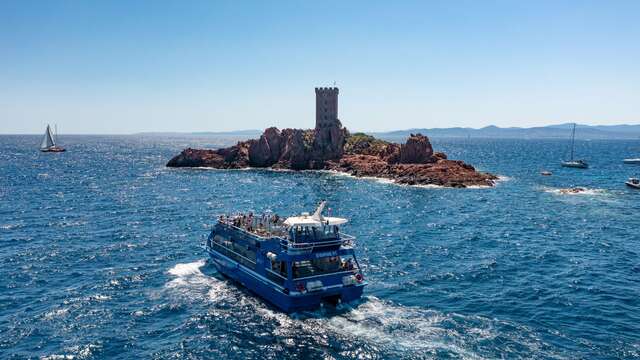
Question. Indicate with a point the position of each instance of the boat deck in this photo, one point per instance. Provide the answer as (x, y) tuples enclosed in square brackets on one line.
[(262, 227)]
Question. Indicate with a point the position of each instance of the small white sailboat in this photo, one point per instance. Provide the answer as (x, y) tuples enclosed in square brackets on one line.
[(49, 142), (574, 163), (633, 182)]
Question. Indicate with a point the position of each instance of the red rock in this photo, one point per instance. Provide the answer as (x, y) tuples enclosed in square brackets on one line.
[(266, 151), (417, 150), (295, 152)]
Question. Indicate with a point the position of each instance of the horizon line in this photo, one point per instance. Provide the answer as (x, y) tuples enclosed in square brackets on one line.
[(211, 132)]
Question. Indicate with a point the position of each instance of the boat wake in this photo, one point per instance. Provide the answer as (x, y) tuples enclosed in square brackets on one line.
[(370, 325)]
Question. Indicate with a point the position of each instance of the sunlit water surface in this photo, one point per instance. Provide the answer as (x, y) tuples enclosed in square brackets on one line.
[(101, 257)]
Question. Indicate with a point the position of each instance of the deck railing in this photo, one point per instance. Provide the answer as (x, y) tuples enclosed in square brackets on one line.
[(233, 255), (343, 240), (271, 233), (288, 243)]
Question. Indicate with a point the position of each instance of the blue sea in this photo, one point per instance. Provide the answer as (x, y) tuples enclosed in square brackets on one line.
[(100, 257)]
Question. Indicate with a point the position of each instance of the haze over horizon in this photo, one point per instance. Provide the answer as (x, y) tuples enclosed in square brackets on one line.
[(115, 67)]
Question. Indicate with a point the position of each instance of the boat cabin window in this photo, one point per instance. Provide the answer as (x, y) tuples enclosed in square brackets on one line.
[(311, 233), (323, 266), (279, 267)]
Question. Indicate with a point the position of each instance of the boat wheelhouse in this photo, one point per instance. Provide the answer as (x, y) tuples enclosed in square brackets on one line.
[(295, 264)]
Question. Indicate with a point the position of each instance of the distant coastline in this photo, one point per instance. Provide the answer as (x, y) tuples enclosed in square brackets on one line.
[(560, 131)]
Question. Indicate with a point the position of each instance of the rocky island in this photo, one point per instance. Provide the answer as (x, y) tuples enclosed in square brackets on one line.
[(330, 146)]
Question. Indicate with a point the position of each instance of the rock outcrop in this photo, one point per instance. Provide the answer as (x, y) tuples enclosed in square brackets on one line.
[(417, 150), (333, 148), (266, 151)]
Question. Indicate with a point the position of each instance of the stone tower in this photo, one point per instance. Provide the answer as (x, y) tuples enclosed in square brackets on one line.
[(329, 135), (326, 107)]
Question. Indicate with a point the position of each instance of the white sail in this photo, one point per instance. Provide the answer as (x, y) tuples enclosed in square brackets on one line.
[(47, 140)]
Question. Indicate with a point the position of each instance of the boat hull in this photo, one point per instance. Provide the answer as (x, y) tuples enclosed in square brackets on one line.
[(275, 294), (575, 165), (633, 185), (56, 149), (631, 161)]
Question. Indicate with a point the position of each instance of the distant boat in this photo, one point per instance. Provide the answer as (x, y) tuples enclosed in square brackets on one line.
[(574, 163), (633, 182), (546, 173), (49, 142), (632, 161)]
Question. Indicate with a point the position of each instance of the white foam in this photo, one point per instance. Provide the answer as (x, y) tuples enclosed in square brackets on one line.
[(191, 284), (388, 181), (398, 327), (182, 270), (82, 352), (384, 325), (10, 226), (56, 313), (566, 191)]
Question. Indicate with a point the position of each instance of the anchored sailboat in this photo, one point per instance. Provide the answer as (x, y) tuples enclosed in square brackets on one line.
[(573, 163), (632, 161), (49, 142)]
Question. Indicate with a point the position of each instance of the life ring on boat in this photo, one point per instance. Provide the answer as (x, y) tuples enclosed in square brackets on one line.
[(300, 287), (359, 277)]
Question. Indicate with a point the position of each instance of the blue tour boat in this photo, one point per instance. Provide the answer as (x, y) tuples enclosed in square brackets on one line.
[(295, 264)]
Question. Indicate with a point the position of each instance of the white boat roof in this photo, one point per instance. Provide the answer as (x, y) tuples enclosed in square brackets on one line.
[(314, 220), (310, 221)]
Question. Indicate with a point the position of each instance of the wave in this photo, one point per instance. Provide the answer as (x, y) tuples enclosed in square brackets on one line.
[(184, 270), (192, 284), (58, 313), (577, 191), (11, 226), (73, 352)]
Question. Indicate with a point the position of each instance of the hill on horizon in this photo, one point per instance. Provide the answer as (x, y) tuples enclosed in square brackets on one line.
[(559, 131)]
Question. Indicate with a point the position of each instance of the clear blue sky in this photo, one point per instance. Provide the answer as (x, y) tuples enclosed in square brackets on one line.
[(130, 66)]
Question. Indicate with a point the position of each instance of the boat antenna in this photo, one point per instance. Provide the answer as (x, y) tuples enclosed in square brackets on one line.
[(317, 215)]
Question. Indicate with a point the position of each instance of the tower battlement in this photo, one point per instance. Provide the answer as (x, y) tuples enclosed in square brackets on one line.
[(326, 107), (327, 90)]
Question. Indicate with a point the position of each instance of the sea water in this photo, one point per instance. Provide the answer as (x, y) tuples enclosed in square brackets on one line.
[(100, 256)]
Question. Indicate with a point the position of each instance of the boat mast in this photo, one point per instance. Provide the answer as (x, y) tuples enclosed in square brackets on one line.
[(573, 139)]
